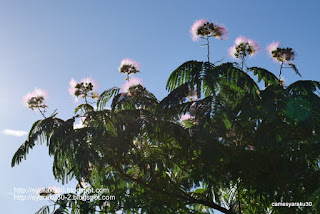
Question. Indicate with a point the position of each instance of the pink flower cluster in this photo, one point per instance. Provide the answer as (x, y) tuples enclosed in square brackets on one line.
[(129, 66), (36, 99), (194, 28), (83, 88), (273, 46), (242, 47), (185, 117), (130, 83), (281, 55), (203, 27), (187, 120)]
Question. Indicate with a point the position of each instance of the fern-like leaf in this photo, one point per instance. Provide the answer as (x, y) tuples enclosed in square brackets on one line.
[(293, 66), (106, 96), (174, 101), (304, 86), (265, 75), (186, 72), (239, 81), (84, 107), (43, 210), (41, 131)]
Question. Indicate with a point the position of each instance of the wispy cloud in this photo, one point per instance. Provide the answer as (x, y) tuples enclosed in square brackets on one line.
[(16, 133)]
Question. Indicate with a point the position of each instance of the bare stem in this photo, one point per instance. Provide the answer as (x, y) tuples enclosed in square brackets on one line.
[(42, 112), (242, 61), (280, 70), (208, 46)]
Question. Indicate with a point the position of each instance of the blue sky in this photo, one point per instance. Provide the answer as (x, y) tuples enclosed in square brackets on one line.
[(45, 43)]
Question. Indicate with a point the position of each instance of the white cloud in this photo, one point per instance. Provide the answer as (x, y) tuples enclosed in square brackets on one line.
[(16, 133), (79, 125)]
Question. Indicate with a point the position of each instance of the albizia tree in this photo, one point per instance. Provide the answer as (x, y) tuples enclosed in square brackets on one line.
[(218, 141)]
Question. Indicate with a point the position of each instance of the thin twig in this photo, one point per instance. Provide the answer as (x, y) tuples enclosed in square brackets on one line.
[(218, 61), (42, 112), (280, 71), (208, 46)]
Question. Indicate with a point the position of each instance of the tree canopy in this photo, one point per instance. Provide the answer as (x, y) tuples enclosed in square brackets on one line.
[(218, 141)]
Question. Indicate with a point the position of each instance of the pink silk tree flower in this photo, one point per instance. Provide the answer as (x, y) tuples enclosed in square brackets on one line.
[(232, 51), (130, 83), (243, 47), (280, 54), (203, 27), (36, 99), (254, 45), (240, 39), (194, 30), (220, 32), (90, 82), (40, 93), (26, 99), (85, 85), (85, 88), (273, 46), (72, 88), (129, 66), (185, 117)]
